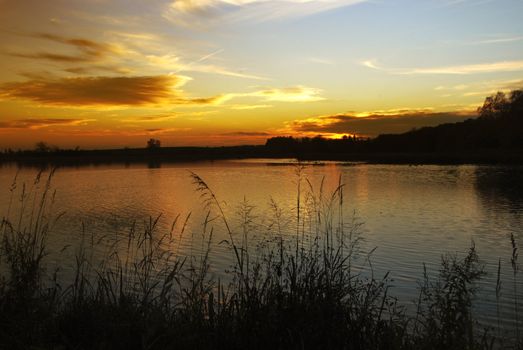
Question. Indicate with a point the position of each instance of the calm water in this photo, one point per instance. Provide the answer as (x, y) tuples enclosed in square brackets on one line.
[(411, 214)]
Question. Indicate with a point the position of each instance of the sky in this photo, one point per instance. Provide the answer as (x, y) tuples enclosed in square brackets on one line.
[(115, 73)]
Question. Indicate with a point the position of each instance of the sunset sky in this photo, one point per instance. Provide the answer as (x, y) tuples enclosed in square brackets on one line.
[(114, 73)]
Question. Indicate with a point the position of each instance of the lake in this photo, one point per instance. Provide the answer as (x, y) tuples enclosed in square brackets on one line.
[(410, 214)]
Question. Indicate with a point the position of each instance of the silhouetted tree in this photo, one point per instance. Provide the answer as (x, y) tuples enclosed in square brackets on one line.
[(42, 147), (494, 106), (153, 143), (516, 102), (499, 126)]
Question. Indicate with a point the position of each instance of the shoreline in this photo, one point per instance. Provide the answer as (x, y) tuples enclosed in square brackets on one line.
[(157, 157)]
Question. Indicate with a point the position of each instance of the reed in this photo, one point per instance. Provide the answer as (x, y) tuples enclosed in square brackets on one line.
[(292, 284), (515, 269)]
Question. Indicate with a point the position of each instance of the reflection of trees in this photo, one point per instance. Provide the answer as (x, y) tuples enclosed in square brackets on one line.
[(500, 185), (154, 164)]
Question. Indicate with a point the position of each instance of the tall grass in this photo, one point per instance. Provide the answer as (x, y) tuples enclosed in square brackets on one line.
[(292, 285)]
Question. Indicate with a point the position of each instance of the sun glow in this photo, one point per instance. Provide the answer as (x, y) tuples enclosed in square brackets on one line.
[(211, 72)]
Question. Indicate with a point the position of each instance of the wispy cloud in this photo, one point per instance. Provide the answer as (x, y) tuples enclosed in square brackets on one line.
[(371, 64), (82, 56), (502, 66), (246, 133), (497, 40), (249, 107), (53, 57), (212, 69), (482, 88), (163, 131), (288, 94), (450, 3), (86, 70), (89, 47), (393, 112), (140, 37), (189, 12), (38, 123), (458, 87), (159, 118), (174, 63), (152, 118), (153, 52), (320, 60), (87, 50)]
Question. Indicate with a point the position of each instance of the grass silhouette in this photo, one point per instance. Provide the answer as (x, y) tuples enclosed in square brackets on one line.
[(289, 287)]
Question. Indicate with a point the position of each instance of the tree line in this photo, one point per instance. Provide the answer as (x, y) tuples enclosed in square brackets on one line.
[(496, 131), (499, 126)]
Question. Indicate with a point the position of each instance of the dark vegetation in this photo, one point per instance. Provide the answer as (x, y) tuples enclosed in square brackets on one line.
[(495, 136), (499, 126), (152, 156), (291, 286)]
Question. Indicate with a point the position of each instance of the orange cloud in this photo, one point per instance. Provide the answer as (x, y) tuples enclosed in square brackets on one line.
[(248, 107), (37, 123), (246, 133), (94, 68), (89, 50), (373, 124), (53, 57), (88, 46), (287, 94), (103, 91), (153, 118), (163, 131), (290, 94)]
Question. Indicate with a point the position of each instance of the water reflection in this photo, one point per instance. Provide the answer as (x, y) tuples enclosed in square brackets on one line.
[(412, 214), (154, 164), (500, 187)]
